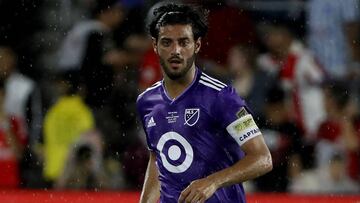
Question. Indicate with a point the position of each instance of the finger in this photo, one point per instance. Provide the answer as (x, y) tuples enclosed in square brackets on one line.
[(183, 195), (191, 197), (196, 197), (202, 199)]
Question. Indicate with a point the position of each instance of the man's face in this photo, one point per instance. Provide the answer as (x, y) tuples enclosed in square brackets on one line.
[(277, 40), (7, 62), (176, 49)]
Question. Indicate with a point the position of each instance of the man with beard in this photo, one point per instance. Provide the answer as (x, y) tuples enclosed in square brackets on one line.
[(202, 139)]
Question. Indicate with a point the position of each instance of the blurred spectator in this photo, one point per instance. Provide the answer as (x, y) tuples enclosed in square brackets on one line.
[(340, 132), (13, 139), (19, 91), (331, 178), (110, 77), (298, 73), (119, 127), (18, 87), (85, 167), (65, 121), (333, 30), (90, 49), (283, 138), (32, 160), (80, 171), (124, 140), (250, 82)]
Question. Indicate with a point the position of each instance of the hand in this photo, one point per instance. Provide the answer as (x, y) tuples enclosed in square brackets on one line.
[(198, 191)]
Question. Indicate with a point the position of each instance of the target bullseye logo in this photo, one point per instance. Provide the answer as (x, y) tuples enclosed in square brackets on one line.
[(174, 152)]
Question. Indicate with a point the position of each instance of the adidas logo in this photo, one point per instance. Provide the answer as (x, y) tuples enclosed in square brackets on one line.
[(151, 122)]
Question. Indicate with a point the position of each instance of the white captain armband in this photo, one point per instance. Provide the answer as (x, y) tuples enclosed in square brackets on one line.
[(243, 129)]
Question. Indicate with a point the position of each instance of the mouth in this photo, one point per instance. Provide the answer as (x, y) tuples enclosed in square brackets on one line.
[(175, 62)]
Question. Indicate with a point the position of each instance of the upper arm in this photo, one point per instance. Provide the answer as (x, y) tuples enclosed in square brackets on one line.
[(256, 146), (256, 149), (227, 106), (234, 115)]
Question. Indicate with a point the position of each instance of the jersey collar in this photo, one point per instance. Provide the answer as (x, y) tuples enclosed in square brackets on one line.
[(184, 93)]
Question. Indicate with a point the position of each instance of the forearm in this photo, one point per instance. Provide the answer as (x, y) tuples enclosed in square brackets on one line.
[(151, 189), (250, 167), (257, 161)]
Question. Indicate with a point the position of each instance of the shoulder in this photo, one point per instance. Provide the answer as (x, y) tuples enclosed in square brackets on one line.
[(211, 84), (216, 92), (147, 93), (148, 99)]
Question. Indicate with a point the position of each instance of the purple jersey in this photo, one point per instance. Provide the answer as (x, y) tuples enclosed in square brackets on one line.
[(195, 135)]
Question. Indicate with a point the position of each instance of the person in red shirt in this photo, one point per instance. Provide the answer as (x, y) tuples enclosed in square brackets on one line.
[(341, 130), (289, 60), (12, 142)]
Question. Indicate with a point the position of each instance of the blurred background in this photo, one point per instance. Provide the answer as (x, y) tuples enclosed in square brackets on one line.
[(71, 70)]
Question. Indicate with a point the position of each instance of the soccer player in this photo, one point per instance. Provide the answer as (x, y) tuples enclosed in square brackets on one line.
[(202, 138)]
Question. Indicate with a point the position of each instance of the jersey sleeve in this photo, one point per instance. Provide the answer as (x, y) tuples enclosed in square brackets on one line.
[(232, 113), (141, 116)]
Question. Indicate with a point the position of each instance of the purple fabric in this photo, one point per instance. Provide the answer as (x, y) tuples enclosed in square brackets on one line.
[(189, 135)]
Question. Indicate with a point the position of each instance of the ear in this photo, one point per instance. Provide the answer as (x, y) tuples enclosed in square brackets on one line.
[(197, 45), (154, 43)]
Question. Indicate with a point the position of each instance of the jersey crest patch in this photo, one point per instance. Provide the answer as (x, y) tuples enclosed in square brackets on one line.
[(191, 116), (242, 112)]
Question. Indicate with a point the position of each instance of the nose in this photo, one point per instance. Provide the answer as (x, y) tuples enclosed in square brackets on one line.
[(176, 49)]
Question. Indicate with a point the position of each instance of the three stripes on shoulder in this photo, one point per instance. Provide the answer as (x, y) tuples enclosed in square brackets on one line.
[(204, 79), (211, 82)]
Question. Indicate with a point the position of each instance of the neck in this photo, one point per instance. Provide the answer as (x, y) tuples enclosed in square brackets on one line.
[(175, 87)]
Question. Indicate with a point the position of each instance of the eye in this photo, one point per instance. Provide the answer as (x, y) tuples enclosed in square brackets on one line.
[(165, 43), (184, 43)]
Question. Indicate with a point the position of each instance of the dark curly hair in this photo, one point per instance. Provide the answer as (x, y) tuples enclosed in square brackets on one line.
[(171, 14)]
